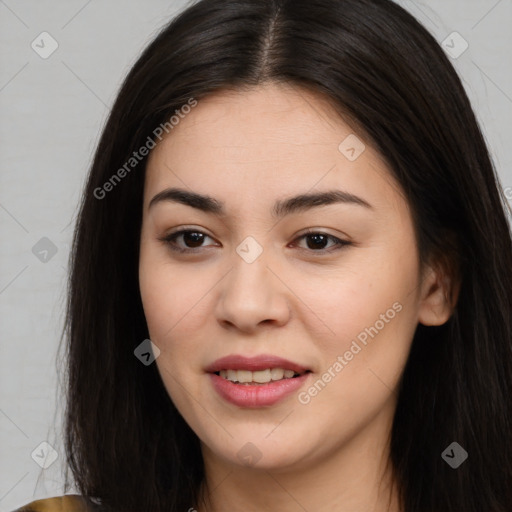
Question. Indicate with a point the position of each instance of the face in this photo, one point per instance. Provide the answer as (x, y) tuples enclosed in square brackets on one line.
[(245, 284)]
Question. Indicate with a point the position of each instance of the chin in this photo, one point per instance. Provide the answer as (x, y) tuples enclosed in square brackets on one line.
[(258, 452)]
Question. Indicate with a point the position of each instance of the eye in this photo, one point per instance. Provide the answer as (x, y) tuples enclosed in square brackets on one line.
[(192, 239), (316, 241)]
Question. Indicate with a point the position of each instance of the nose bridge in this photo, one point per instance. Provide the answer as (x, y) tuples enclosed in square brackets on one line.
[(250, 292), (250, 275)]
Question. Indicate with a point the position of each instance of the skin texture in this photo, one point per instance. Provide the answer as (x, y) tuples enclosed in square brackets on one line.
[(249, 149)]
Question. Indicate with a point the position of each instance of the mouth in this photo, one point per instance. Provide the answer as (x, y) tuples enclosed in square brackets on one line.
[(260, 377), (258, 381), (258, 369)]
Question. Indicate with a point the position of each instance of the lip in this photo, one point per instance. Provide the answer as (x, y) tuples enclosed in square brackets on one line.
[(255, 395), (253, 364)]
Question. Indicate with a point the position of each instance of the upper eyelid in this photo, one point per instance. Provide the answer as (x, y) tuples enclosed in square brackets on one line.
[(309, 231), (181, 231), (193, 229), (338, 241)]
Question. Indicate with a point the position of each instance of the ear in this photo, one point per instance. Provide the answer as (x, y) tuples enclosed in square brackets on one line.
[(439, 293)]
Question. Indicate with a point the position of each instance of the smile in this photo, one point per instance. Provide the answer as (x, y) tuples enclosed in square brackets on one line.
[(256, 381), (248, 377)]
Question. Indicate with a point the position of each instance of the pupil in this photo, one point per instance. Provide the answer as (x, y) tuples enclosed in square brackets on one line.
[(192, 237), (318, 239)]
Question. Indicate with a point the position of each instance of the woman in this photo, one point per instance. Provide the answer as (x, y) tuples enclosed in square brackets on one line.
[(291, 279)]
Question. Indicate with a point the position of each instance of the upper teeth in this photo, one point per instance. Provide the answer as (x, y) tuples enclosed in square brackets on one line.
[(261, 376)]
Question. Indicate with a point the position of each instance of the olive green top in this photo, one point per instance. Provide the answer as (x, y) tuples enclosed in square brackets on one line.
[(68, 503)]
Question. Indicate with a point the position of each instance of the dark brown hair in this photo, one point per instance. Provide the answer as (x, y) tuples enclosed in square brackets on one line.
[(127, 446)]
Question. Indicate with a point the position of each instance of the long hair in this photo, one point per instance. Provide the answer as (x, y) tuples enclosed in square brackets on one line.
[(126, 444)]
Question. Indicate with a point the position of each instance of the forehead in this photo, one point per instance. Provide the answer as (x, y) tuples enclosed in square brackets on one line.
[(272, 140), (273, 119)]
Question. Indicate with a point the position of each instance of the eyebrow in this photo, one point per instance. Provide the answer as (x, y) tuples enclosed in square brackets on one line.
[(282, 207)]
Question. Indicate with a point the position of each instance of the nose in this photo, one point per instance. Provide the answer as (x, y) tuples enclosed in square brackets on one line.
[(252, 295)]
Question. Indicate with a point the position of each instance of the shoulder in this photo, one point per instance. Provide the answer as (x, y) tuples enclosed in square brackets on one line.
[(67, 503)]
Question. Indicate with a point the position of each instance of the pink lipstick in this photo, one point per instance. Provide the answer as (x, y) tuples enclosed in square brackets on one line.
[(259, 381)]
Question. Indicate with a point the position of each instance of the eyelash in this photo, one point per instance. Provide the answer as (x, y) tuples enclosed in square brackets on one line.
[(169, 240)]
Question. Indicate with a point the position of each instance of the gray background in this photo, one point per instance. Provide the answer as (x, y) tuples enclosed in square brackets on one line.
[(52, 112)]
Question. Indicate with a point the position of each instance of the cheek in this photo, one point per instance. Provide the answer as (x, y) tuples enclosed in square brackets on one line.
[(371, 288), (168, 300), (177, 306), (167, 291), (160, 302), (363, 357), (370, 314)]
